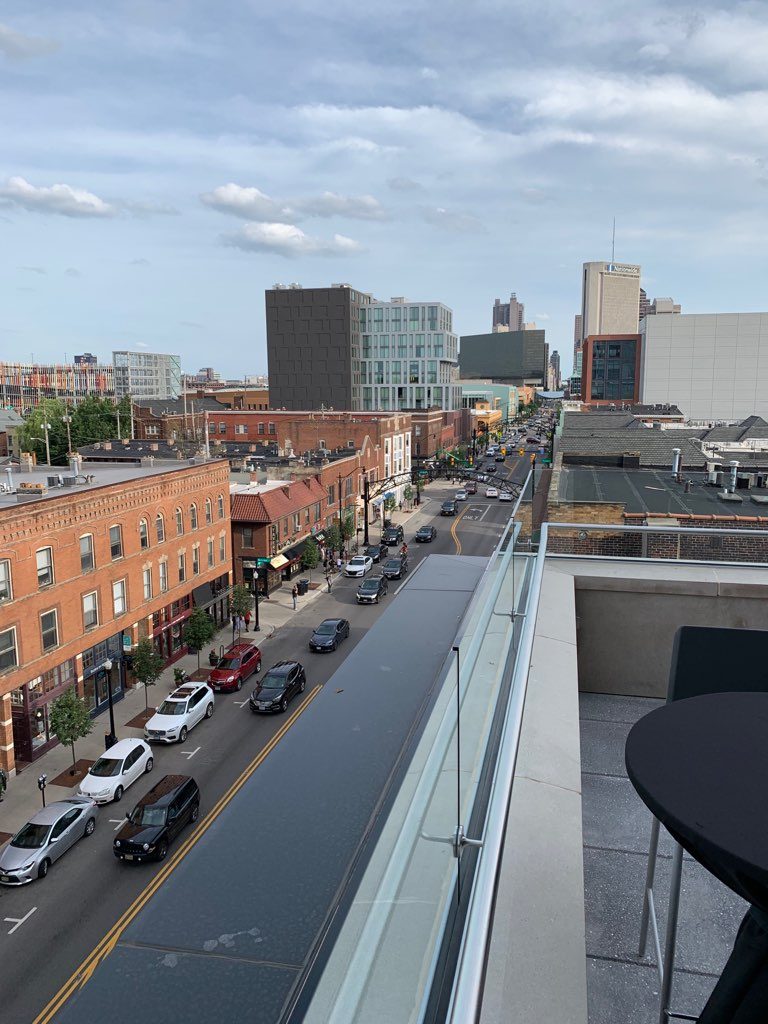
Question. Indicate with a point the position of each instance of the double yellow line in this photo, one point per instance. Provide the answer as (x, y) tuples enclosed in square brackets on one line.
[(110, 940), (455, 535)]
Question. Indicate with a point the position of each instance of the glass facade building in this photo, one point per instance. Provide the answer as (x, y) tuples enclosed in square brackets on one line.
[(611, 369)]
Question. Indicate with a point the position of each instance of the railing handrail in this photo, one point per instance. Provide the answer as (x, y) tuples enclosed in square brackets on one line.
[(694, 530)]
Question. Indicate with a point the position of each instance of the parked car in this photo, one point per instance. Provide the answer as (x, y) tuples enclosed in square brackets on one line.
[(180, 712), (394, 568), (157, 819), (449, 508), (392, 535), (471, 487), (491, 492), (278, 687), (238, 662), (116, 770), (358, 566), (329, 635), (462, 494), (375, 551), (506, 496), (372, 589), (46, 837), (425, 534)]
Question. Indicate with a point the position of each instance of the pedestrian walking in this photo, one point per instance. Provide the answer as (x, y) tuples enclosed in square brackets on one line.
[(328, 581), (247, 620), (294, 595), (338, 565), (234, 627), (3, 783)]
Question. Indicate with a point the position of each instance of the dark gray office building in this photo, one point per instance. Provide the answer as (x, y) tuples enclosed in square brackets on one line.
[(313, 346), (509, 357)]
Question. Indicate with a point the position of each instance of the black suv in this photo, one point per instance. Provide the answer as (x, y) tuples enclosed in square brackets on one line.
[(425, 534), (449, 508), (372, 589), (278, 687), (392, 535), (394, 568), (375, 551), (157, 819)]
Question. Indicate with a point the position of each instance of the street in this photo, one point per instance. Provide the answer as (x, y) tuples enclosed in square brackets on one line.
[(50, 926)]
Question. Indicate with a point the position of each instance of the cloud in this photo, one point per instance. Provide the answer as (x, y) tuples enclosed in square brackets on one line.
[(141, 344), (190, 323), (289, 240), (533, 195), (17, 46), (541, 316), (146, 209), (72, 272), (140, 262), (58, 199), (251, 203), (404, 185), (451, 220), (330, 204), (34, 270), (428, 73)]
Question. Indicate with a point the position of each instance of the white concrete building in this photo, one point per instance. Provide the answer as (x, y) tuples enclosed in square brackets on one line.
[(147, 374), (610, 298), (713, 366), (408, 356)]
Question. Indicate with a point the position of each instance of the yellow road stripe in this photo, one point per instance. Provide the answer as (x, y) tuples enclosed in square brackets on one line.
[(455, 536), (108, 943)]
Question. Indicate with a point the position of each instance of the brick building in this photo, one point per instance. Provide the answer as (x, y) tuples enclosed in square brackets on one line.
[(89, 567), (233, 397), (173, 419)]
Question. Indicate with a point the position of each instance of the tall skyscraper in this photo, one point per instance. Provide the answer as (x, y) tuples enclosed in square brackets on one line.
[(576, 339), (511, 314), (553, 380), (610, 298), (147, 374)]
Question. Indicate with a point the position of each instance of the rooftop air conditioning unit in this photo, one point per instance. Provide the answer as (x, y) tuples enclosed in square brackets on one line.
[(69, 481)]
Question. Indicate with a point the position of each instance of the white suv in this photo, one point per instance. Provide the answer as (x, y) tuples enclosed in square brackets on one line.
[(180, 712), (116, 770)]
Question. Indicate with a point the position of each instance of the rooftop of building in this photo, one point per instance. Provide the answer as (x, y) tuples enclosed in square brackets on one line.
[(178, 406)]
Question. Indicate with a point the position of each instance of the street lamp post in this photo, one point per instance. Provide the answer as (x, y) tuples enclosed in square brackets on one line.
[(46, 427), (110, 739), (67, 420), (255, 581), (418, 472), (366, 499)]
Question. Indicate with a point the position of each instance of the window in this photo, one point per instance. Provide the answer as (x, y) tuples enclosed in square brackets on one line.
[(241, 428), (195, 559), (115, 542), (208, 510), (49, 630), (8, 656), (118, 598), (143, 534), (87, 561), (221, 506), (247, 536), (331, 493), (350, 444), (262, 428), (182, 567), (222, 549), (160, 528), (147, 580), (210, 553), (6, 593), (179, 522), (272, 428), (413, 373), (90, 610), (163, 567), (44, 567), (193, 516), (222, 428)]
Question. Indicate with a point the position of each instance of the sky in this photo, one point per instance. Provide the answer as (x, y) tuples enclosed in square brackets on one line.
[(164, 162)]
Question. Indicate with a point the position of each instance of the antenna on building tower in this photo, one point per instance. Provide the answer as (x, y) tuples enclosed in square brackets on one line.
[(613, 242)]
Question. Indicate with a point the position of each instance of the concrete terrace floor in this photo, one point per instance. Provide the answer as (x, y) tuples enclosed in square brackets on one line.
[(622, 986)]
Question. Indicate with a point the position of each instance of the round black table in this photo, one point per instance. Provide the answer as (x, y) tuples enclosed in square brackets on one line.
[(701, 766)]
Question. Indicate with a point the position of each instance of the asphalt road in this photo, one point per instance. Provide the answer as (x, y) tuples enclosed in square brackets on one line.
[(49, 927)]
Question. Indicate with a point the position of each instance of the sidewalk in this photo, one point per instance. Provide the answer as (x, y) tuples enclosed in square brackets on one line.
[(22, 798)]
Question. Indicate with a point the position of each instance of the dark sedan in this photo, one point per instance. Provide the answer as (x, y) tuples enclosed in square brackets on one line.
[(278, 687), (329, 635), (394, 568), (375, 551), (372, 590), (425, 534)]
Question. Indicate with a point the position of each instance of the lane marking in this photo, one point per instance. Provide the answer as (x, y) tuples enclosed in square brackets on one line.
[(456, 522), (242, 703), (105, 946), (19, 920), (190, 753), (117, 822)]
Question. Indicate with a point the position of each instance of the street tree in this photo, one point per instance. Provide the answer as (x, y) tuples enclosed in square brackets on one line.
[(408, 493), (147, 665), (240, 600), (348, 526), (390, 504), (70, 720), (199, 630), (333, 537), (310, 556)]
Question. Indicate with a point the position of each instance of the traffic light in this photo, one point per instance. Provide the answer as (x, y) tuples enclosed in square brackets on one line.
[(533, 456), (522, 451)]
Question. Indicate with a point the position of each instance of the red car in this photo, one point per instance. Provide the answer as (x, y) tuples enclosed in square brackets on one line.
[(237, 663)]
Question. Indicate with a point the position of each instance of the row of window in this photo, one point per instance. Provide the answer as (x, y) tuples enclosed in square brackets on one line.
[(407, 344), (49, 620), (242, 428), (44, 556)]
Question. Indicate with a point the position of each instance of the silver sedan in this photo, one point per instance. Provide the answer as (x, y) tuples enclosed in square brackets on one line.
[(46, 837)]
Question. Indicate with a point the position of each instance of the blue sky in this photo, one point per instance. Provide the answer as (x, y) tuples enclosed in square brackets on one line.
[(163, 162)]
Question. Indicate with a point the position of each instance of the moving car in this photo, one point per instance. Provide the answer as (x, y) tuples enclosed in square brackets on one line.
[(45, 837), (180, 712), (425, 534), (490, 470), (500, 457), (462, 494), (392, 535), (116, 770), (375, 551), (157, 819), (238, 662), (491, 492), (278, 686), (471, 488), (329, 635), (372, 589), (506, 496), (449, 508), (394, 568), (358, 566)]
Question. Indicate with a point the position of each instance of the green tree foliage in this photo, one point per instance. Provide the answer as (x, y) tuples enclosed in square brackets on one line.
[(70, 720), (390, 504), (333, 537), (348, 526), (408, 493), (240, 600), (147, 665), (93, 419), (199, 630), (310, 556)]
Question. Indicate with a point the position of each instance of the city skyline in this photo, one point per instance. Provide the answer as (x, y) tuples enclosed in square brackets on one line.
[(154, 216)]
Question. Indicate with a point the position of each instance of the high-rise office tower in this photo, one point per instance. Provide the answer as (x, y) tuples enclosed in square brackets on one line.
[(147, 374), (553, 381), (644, 305), (610, 298), (511, 314)]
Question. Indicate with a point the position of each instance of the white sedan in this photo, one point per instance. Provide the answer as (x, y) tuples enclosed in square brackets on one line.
[(116, 770), (505, 496), (358, 566), (460, 496), (491, 492)]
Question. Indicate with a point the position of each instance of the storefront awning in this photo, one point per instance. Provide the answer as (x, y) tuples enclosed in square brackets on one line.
[(278, 561), (295, 553)]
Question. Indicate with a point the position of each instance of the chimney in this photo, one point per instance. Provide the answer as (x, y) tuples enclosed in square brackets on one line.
[(675, 461), (734, 469), (9, 474)]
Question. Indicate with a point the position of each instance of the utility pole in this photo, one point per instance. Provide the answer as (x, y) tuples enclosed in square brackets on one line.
[(208, 441), (46, 428), (341, 515), (474, 446), (366, 499), (66, 420)]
